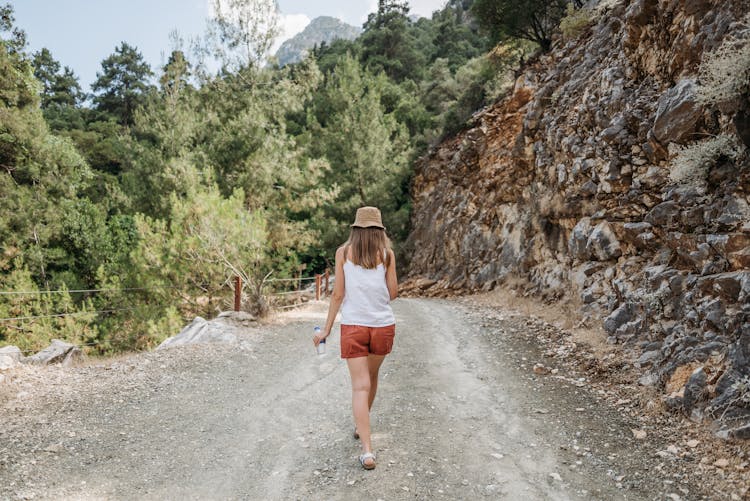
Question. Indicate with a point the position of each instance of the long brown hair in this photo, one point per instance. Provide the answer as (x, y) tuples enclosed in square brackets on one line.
[(367, 246)]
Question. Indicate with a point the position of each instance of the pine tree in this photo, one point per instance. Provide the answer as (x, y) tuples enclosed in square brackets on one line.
[(123, 84), (58, 88), (388, 43), (366, 147), (175, 74)]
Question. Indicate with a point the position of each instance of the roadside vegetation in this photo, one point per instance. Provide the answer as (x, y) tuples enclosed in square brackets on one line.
[(138, 200)]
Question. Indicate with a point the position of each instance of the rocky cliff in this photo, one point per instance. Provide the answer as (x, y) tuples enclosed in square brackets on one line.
[(571, 182)]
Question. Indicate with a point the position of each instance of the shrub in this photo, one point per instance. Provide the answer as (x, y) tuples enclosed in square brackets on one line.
[(724, 73), (575, 22), (691, 163), (533, 20), (742, 387)]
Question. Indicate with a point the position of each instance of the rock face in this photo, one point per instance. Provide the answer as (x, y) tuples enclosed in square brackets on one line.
[(201, 330), (565, 183)]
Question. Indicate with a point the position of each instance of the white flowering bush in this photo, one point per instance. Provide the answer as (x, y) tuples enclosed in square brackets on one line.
[(691, 163), (724, 73), (742, 387)]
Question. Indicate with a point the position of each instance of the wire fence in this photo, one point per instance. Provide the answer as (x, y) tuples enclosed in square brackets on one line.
[(290, 279), (298, 280), (321, 288), (66, 314), (75, 291)]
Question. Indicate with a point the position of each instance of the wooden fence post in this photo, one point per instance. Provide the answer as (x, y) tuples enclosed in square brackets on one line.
[(237, 293), (317, 287), (328, 275)]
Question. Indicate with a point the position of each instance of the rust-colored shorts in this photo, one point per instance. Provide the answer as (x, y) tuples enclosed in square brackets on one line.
[(360, 341)]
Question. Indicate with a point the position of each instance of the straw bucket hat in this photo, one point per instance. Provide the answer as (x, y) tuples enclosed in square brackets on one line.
[(368, 217)]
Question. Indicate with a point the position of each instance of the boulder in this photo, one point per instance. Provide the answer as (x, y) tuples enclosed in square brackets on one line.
[(618, 318), (632, 230), (629, 330), (602, 243), (653, 178), (677, 113), (57, 352), (665, 215), (242, 318), (589, 188), (733, 212), (733, 286), (739, 355), (201, 330), (736, 432), (10, 356), (649, 379), (638, 15), (648, 358), (713, 312), (695, 390), (579, 238)]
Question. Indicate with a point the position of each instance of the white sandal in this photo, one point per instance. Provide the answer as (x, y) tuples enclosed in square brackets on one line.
[(364, 457)]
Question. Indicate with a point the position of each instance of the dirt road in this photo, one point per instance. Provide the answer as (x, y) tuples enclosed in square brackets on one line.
[(459, 415)]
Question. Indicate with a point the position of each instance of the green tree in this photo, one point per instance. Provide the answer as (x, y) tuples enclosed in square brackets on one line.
[(13, 38), (59, 88), (35, 327), (122, 85), (388, 44), (102, 143), (534, 20), (327, 55), (232, 132), (241, 32), (175, 74), (367, 148), (40, 174), (455, 39), (208, 241)]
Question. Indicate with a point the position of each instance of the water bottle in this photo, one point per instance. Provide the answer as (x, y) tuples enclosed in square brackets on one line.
[(322, 344)]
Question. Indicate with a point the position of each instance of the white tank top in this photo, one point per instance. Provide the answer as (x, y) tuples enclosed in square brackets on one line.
[(366, 298)]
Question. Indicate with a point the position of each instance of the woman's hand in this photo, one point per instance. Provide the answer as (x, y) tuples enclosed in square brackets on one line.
[(317, 338)]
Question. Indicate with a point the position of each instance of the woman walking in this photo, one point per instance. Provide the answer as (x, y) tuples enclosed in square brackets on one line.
[(365, 285)]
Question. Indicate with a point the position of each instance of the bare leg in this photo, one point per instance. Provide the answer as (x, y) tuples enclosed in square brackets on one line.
[(360, 374), (373, 365)]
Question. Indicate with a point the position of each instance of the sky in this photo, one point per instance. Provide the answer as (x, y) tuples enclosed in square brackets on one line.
[(82, 33)]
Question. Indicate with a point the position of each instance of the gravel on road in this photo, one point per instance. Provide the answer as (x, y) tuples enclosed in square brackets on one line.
[(461, 413)]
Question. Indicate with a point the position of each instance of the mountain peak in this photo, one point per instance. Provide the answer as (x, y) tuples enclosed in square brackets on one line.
[(321, 29)]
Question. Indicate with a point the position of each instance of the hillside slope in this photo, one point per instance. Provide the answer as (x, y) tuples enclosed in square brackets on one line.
[(566, 184)]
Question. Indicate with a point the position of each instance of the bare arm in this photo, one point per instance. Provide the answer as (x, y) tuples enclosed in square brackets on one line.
[(336, 298), (391, 280)]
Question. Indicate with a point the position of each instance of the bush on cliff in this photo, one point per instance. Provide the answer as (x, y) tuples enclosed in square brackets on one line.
[(575, 21), (534, 20), (691, 164), (725, 72)]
